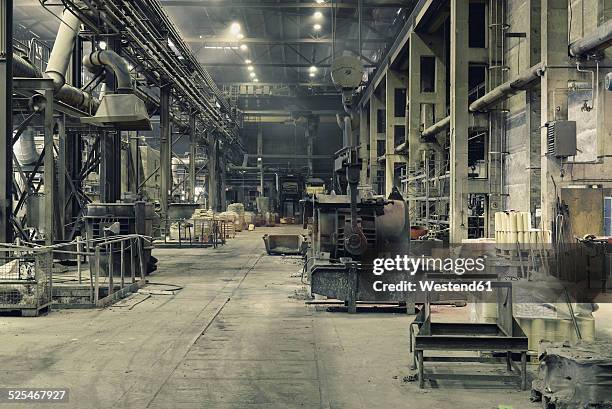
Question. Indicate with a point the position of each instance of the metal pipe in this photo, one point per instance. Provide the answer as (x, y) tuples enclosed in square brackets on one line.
[(113, 61), (62, 49), (598, 39), (66, 93), (24, 68), (436, 128), (520, 83)]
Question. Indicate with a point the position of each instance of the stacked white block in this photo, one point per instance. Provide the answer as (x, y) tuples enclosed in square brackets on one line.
[(515, 227)]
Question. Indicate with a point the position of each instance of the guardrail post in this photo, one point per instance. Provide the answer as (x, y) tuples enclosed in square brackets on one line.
[(110, 268), (96, 293), (133, 259), (78, 249), (122, 263), (141, 257)]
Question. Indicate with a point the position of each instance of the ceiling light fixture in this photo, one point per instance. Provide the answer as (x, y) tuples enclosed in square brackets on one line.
[(320, 1), (318, 14), (312, 74), (250, 68), (317, 27), (255, 80), (235, 28), (102, 45), (253, 75), (239, 36), (248, 61), (312, 68), (243, 47)]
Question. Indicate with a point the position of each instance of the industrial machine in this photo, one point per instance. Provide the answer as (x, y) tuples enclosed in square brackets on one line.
[(291, 191), (346, 236), (349, 231), (315, 186)]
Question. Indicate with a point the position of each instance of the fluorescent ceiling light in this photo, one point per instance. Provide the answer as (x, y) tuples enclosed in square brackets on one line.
[(235, 28)]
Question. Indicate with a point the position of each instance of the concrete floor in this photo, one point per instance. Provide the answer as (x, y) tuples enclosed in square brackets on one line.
[(239, 335)]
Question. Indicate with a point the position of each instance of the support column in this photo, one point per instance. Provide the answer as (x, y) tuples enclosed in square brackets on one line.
[(213, 187), (134, 179), (165, 148), (312, 128), (193, 145), (375, 105), (533, 107), (423, 107), (49, 173), (63, 187), (6, 120), (394, 80), (260, 160), (364, 153), (222, 177), (554, 99), (107, 167), (459, 65)]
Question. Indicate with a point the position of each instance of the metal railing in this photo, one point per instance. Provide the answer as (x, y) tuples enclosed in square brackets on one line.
[(122, 254)]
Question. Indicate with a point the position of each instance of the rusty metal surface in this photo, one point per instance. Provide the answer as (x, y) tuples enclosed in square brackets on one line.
[(575, 376)]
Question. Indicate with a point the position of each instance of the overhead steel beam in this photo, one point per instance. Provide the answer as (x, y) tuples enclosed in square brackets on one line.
[(277, 85), (291, 5), (273, 64), (224, 41), (399, 44), (287, 156)]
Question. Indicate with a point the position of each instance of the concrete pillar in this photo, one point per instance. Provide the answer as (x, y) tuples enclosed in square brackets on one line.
[(394, 80), (165, 148), (6, 121), (554, 98), (533, 107), (459, 64), (423, 108), (375, 105)]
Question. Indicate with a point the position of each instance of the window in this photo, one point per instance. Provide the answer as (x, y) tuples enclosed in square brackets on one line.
[(400, 102), (399, 136), (381, 122), (478, 25), (381, 147), (608, 216), (428, 74)]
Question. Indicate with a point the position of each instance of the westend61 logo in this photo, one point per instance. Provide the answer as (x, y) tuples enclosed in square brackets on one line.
[(412, 265), (458, 266)]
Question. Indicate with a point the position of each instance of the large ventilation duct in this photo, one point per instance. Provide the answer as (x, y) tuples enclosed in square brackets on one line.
[(62, 49), (59, 60), (124, 110), (520, 83), (596, 40), (101, 59), (25, 149)]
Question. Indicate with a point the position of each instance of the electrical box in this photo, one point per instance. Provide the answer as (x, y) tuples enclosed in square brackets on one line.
[(561, 138)]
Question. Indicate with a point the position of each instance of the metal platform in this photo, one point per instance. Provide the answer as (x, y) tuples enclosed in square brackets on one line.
[(503, 336)]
